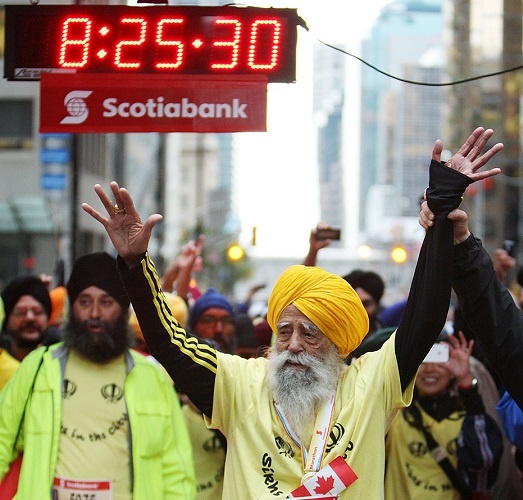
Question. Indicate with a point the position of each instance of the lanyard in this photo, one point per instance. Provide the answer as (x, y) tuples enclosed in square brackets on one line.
[(312, 458)]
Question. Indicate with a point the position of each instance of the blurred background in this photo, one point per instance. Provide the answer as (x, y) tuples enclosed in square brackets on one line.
[(348, 144)]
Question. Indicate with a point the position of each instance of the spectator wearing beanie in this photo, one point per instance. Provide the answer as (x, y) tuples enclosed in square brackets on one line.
[(27, 308), (212, 318), (370, 287)]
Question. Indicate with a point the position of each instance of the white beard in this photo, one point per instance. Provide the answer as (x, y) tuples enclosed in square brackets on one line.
[(301, 392)]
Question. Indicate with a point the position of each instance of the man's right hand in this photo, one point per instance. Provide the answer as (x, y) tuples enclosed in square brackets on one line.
[(129, 235), (458, 217)]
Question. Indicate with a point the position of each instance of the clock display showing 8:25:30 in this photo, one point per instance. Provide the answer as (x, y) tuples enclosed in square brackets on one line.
[(154, 40)]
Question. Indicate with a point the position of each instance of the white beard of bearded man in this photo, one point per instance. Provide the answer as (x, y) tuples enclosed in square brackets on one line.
[(318, 320), (301, 383)]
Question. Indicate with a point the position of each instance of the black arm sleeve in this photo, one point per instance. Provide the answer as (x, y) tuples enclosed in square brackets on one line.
[(429, 297), (190, 362), (491, 314)]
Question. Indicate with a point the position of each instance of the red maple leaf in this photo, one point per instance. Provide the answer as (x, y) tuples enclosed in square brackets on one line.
[(324, 485)]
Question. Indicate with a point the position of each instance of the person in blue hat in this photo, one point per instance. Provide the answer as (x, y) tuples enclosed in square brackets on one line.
[(212, 318)]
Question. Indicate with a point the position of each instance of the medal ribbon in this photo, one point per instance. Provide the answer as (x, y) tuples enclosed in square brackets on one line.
[(312, 458)]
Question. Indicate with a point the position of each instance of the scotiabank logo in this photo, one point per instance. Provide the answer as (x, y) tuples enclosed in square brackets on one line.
[(158, 108), (89, 103), (76, 107)]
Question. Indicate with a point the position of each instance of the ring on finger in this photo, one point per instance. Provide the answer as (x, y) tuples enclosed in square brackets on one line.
[(118, 209)]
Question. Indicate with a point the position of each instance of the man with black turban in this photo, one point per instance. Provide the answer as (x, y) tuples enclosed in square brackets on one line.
[(370, 287), (300, 423), (27, 307), (94, 418)]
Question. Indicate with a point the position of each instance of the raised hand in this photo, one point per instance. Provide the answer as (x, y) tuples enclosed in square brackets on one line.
[(129, 235), (316, 244), (468, 159), (190, 256), (459, 357)]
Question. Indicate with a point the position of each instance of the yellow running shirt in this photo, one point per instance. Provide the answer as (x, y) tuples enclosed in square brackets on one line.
[(208, 454), (94, 440), (264, 463), (412, 471), (8, 366)]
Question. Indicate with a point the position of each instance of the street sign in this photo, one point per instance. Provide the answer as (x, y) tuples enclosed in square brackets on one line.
[(53, 182), (58, 156)]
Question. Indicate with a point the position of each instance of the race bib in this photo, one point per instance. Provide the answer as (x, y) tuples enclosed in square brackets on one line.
[(79, 489)]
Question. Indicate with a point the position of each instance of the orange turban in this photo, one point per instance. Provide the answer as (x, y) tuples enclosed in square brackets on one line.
[(326, 299), (58, 297)]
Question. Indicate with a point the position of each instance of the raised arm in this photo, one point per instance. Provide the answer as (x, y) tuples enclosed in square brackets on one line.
[(191, 363), (316, 244), (129, 235), (189, 259), (429, 296)]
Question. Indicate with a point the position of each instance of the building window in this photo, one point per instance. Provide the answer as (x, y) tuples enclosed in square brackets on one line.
[(16, 125)]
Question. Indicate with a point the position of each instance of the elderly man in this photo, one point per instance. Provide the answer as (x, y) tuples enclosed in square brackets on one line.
[(95, 419), (27, 308), (300, 422)]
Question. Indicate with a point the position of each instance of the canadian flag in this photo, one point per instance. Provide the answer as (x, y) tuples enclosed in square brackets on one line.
[(327, 482)]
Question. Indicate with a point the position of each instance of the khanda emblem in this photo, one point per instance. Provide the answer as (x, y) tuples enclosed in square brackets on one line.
[(112, 393), (68, 389), (417, 448), (284, 448), (335, 434)]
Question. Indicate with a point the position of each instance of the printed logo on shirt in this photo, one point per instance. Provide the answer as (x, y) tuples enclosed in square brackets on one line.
[(418, 449), (284, 448), (112, 393), (212, 445), (69, 389), (335, 435)]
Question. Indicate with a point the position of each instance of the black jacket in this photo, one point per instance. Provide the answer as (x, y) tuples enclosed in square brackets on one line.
[(490, 313)]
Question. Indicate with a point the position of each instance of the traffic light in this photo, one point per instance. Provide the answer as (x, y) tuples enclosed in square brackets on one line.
[(398, 254), (235, 252)]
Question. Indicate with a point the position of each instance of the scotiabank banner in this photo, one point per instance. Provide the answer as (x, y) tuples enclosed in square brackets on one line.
[(90, 103)]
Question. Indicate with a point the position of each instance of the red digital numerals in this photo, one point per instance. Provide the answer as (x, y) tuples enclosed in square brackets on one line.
[(256, 45)]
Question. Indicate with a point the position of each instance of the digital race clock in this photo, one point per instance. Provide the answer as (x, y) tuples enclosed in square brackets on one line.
[(163, 40)]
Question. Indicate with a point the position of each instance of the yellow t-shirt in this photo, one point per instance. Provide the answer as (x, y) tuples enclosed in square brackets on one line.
[(8, 366), (208, 454), (94, 440), (263, 462), (412, 472)]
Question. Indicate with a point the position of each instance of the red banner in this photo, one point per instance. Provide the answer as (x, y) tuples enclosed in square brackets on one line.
[(91, 103)]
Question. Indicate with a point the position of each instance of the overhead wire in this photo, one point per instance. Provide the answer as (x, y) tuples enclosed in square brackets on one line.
[(405, 80)]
